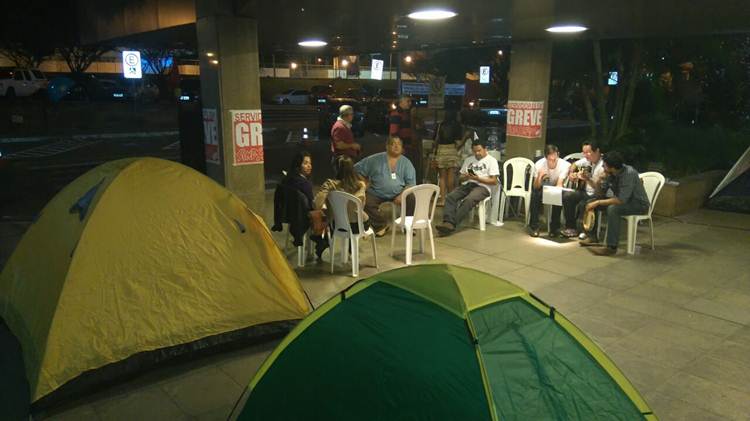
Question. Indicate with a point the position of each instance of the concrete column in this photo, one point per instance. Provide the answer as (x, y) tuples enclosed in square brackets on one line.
[(232, 84), (530, 63)]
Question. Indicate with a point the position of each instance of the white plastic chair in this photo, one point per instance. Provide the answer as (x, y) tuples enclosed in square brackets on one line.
[(519, 185), (304, 251), (652, 183), (425, 199), (481, 208), (340, 202), (573, 156)]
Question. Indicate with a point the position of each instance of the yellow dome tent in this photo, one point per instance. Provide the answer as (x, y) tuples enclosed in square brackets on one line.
[(135, 262)]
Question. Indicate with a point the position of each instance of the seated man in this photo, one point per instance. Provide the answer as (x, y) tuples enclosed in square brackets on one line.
[(389, 174), (550, 171), (588, 173), (478, 173), (629, 199)]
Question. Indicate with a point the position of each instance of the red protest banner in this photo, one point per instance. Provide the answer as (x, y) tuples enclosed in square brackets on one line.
[(247, 136), (525, 119)]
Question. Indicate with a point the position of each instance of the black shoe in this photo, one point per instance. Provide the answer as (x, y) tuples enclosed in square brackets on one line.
[(320, 247), (534, 232), (555, 234)]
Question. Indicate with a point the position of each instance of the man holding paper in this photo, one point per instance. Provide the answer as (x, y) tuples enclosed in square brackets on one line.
[(549, 171)]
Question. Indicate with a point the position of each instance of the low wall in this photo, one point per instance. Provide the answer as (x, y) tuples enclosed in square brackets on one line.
[(687, 194)]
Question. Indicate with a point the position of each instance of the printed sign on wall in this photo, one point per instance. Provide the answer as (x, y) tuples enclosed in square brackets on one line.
[(211, 136), (376, 70), (247, 136), (525, 119)]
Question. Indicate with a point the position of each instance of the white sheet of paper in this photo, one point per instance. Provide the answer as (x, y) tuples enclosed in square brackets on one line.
[(552, 195)]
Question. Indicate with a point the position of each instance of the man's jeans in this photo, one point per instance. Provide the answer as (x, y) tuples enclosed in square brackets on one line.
[(378, 220), (614, 218), (536, 207), (471, 194), (573, 206)]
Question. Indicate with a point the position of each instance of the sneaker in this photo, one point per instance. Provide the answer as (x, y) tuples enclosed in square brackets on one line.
[(589, 242), (582, 236), (534, 232), (381, 232), (569, 233), (445, 228), (603, 251)]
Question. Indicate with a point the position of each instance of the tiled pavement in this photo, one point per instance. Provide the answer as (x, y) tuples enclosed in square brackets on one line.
[(676, 319)]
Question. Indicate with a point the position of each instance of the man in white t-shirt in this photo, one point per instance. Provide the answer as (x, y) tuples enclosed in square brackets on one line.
[(550, 171), (478, 173), (587, 171)]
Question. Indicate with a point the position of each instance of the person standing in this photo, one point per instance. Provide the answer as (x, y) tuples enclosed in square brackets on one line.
[(389, 174), (447, 138), (402, 125), (342, 136), (629, 198), (550, 171), (478, 173)]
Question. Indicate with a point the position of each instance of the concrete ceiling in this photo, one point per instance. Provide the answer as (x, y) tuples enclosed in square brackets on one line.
[(367, 26)]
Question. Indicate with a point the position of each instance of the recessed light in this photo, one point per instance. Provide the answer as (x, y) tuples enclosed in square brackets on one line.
[(312, 43), (432, 14), (566, 29)]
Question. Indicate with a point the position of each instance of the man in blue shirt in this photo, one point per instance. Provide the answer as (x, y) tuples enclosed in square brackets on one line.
[(389, 174)]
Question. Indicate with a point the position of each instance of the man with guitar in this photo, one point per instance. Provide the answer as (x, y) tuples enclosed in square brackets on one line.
[(585, 176)]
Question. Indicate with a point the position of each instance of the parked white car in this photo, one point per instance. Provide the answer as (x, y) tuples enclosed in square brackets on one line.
[(21, 82), (293, 96)]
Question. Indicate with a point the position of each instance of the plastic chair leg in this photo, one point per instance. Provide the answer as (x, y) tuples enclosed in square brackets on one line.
[(355, 255), (345, 251), (375, 251), (482, 213), (408, 245), (332, 246), (393, 238), (501, 213), (632, 231), (432, 240), (421, 241), (651, 225)]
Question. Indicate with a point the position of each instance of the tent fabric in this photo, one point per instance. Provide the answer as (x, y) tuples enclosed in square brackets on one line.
[(733, 193), (438, 342), (159, 260)]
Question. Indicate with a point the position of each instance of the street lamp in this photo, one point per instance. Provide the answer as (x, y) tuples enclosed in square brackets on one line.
[(344, 63), (500, 52), (293, 65), (408, 59)]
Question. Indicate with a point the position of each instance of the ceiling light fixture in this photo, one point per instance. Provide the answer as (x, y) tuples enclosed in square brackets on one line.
[(566, 29), (344, 62), (312, 43), (293, 65), (432, 14)]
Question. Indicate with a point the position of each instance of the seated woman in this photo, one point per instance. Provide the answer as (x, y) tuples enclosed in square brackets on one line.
[(347, 180), (298, 178)]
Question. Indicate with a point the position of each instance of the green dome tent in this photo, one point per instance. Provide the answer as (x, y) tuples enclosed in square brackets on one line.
[(438, 342)]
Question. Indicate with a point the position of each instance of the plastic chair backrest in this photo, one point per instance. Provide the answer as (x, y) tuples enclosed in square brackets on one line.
[(573, 156), (652, 183), (425, 199), (518, 181), (339, 202)]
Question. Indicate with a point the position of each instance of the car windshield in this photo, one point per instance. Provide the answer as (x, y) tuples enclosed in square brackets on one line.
[(288, 92), (38, 74)]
